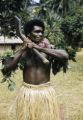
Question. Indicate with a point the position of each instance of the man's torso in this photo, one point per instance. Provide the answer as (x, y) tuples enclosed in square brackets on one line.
[(35, 71)]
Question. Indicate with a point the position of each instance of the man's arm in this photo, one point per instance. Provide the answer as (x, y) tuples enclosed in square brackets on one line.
[(12, 64), (62, 54)]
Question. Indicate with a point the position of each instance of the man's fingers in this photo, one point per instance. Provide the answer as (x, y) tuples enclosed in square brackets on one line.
[(30, 45)]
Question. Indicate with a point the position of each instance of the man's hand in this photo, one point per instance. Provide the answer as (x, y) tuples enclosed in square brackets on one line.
[(31, 45), (28, 43)]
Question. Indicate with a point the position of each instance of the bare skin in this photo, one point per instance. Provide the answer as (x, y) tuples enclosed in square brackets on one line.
[(35, 71)]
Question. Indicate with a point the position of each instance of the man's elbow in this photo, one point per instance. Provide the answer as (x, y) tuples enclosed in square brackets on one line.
[(65, 55)]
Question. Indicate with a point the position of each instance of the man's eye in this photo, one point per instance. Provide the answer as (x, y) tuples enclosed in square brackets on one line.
[(38, 31)]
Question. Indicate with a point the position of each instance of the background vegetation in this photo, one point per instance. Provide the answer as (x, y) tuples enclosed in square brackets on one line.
[(63, 20), (64, 28)]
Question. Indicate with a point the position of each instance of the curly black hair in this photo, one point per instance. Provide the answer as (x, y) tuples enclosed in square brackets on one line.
[(28, 27)]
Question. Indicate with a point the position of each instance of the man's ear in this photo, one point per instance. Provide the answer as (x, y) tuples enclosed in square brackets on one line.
[(28, 35)]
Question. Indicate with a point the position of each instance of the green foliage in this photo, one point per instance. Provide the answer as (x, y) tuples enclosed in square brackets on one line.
[(72, 28), (62, 7), (67, 39), (57, 64), (11, 85), (59, 6), (8, 9), (24, 15), (6, 55), (6, 58), (53, 32)]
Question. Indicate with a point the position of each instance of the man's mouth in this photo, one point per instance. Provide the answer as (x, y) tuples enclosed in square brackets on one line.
[(39, 37)]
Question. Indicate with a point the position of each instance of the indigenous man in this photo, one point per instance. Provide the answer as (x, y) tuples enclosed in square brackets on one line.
[(37, 98)]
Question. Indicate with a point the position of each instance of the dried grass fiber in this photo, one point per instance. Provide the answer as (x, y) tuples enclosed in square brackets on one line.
[(37, 102)]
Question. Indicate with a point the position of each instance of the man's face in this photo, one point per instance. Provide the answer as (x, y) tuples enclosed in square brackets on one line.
[(37, 34)]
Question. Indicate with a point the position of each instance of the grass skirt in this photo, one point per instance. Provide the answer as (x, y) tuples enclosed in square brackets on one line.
[(37, 102)]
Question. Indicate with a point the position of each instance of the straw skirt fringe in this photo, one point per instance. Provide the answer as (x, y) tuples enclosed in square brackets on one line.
[(37, 102)]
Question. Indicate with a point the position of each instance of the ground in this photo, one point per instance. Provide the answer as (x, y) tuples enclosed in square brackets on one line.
[(69, 89)]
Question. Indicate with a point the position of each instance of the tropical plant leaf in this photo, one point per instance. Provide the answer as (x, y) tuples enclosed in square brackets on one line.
[(3, 80), (11, 85)]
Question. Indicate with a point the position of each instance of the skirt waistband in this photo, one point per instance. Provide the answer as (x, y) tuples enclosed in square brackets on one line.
[(36, 86)]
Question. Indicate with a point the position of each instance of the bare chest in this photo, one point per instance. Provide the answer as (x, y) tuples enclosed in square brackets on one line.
[(35, 71), (31, 60)]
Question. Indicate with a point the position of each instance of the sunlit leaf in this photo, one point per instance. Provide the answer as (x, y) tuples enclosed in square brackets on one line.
[(11, 85)]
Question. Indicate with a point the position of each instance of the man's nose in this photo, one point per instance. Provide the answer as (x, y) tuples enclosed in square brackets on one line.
[(40, 34)]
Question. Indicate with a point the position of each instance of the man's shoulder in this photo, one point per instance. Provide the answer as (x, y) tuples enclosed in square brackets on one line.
[(45, 40), (44, 43), (48, 44)]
